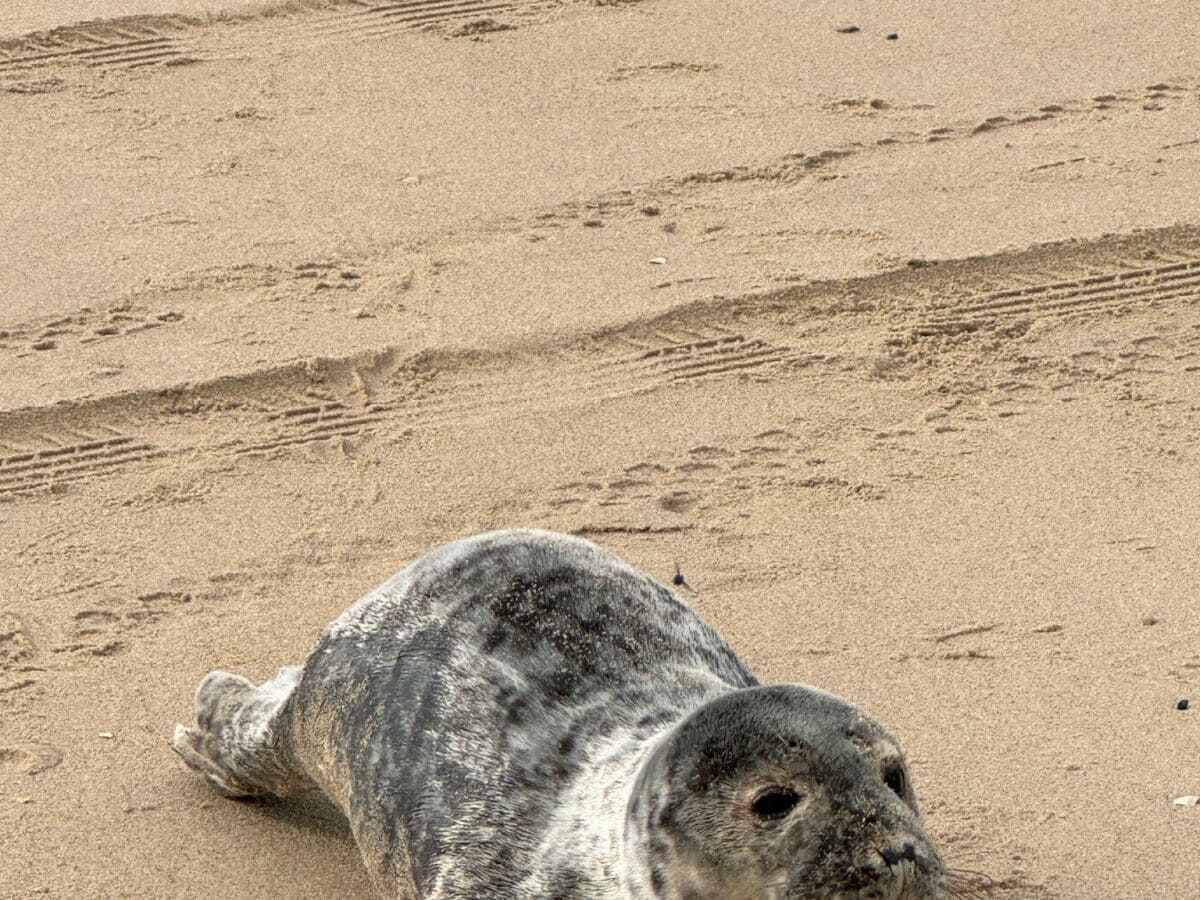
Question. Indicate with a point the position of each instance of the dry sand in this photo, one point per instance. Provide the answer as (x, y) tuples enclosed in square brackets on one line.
[(894, 345)]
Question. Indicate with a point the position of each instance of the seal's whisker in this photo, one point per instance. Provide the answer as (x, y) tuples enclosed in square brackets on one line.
[(967, 883)]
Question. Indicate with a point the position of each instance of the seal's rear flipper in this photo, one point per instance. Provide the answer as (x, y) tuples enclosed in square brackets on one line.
[(242, 739)]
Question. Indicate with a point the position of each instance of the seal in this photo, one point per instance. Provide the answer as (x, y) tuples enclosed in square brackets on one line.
[(522, 715)]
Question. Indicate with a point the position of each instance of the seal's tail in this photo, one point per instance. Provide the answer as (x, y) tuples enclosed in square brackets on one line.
[(241, 741)]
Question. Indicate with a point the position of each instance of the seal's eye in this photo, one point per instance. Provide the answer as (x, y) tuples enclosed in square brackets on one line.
[(893, 777), (774, 803)]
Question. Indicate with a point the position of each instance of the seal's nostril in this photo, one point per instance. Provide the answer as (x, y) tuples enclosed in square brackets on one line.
[(890, 856)]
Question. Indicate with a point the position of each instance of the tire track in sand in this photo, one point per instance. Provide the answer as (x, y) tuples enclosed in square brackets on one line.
[(120, 43), (383, 19), (1176, 281), (20, 472), (384, 393), (138, 41), (609, 368)]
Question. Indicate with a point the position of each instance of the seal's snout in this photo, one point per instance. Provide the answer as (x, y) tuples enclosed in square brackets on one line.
[(903, 869)]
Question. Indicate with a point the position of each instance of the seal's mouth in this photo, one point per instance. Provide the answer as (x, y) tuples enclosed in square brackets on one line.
[(905, 879)]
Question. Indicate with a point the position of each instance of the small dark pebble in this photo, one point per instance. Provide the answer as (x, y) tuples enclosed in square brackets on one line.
[(894, 36), (651, 210), (848, 29), (593, 223), (1183, 704)]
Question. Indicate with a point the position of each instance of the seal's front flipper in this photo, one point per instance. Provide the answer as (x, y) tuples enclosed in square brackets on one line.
[(242, 738)]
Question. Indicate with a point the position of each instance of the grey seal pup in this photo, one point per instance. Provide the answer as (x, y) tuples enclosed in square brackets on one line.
[(522, 715)]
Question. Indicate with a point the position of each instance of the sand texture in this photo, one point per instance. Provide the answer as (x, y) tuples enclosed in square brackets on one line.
[(892, 345)]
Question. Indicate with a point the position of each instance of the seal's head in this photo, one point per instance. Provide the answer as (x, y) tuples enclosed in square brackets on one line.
[(781, 792)]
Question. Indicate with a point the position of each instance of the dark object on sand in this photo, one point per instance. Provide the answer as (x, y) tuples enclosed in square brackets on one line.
[(679, 580)]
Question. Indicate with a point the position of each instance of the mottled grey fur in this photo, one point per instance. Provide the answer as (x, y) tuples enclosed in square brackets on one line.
[(522, 715)]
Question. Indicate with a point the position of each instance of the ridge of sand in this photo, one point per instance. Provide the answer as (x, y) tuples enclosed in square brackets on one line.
[(167, 215)]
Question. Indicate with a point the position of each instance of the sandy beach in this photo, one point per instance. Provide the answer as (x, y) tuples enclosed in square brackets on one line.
[(889, 338)]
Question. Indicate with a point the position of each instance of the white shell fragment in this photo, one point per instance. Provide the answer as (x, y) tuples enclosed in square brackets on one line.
[(1187, 801)]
